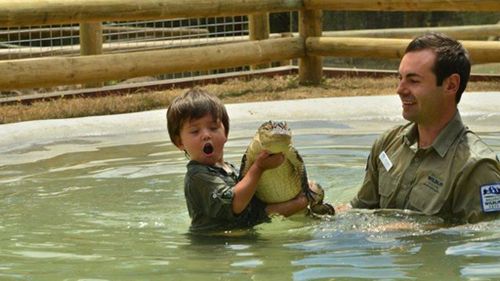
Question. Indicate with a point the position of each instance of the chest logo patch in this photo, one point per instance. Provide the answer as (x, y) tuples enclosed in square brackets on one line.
[(434, 183), (490, 197)]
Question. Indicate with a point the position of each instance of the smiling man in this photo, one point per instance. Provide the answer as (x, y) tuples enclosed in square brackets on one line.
[(434, 164)]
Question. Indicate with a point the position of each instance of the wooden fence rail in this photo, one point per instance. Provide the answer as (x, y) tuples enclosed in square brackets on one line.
[(404, 5), (468, 32), (309, 47), (35, 12), (54, 71), (464, 32), (480, 51)]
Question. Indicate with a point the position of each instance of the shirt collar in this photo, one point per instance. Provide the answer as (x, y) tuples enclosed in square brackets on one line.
[(213, 168), (445, 138)]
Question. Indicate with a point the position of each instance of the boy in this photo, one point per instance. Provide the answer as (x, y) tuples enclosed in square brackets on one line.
[(198, 124)]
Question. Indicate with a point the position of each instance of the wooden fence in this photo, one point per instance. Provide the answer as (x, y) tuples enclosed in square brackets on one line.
[(309, 47), (467, 32)]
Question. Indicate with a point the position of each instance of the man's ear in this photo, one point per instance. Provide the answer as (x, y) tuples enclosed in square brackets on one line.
[(452, 83)]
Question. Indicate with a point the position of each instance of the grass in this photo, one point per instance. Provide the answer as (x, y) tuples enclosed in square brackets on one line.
[(232, 91)]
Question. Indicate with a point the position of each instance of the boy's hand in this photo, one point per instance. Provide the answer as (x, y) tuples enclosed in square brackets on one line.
[(266, 161)]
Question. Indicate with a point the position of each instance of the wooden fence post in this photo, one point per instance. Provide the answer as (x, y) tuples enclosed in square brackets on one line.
[(258, 29), (493, 38), (285, 62), (310, 67), (90, 38), (91, 43)]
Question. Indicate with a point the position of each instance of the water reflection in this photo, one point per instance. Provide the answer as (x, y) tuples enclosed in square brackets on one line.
[(364, 250), (117, 212)]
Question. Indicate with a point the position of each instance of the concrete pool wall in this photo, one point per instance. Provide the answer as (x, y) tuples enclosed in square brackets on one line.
[(25, 141)]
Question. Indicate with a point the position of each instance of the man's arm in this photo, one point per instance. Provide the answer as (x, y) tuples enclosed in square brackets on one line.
[(477, 194), (367, 196)]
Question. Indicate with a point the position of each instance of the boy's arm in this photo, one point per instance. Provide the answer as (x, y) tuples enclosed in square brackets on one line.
[(289, 207), (245, 189)]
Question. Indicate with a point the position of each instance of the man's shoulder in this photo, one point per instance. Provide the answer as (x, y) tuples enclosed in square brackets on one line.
[(476, 147)]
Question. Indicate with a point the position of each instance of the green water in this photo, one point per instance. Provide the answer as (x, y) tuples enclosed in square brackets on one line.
[(117, 212)]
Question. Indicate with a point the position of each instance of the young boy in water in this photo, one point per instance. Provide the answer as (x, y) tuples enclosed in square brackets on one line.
[(198, 124)]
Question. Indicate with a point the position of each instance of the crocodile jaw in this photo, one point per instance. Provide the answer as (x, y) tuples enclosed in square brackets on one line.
[(274, 136), (276, 143)]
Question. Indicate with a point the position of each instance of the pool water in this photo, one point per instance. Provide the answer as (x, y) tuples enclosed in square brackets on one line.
[(87, 205)]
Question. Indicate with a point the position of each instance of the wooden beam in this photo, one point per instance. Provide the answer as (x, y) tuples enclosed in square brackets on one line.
[(114, 32), (458, 32), (258, 29), (35, 12), (90, 39), (91, 43), (16, 52), (480, 51), (405, 5), (483, 51), (466, 32), (356, 47), (47, 72), (311, 65)]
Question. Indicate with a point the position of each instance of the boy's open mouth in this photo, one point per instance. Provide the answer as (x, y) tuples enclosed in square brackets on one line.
[(208, 148)]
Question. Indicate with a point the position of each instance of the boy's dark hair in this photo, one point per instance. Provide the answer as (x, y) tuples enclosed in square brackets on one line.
[(194, 104), (451, 57)]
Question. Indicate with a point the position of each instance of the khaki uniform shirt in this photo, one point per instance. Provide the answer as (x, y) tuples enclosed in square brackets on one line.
[(209, 196), (457, 178)]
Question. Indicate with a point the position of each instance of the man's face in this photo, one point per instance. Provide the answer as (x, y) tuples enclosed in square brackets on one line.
[(421, 98)]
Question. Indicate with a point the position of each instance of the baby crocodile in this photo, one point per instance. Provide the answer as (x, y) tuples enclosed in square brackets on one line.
[(290, 178)]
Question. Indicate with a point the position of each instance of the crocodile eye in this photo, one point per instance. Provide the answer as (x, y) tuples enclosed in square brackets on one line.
[(282, 125)]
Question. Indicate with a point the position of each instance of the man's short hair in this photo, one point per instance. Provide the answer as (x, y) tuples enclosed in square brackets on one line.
[(451, 57)]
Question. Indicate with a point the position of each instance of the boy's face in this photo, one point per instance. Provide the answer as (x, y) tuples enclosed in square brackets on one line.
[(203, 139)]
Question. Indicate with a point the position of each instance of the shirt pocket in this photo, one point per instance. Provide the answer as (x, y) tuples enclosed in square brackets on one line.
[(426, 200), (386, 186)]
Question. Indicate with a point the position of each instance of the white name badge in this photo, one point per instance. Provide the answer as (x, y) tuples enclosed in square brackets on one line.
[(490, 197), (385, 160)]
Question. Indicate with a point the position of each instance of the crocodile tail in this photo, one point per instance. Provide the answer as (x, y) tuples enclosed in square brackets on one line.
[(317, 206), (305, 183), (323, 209), (310, 194)]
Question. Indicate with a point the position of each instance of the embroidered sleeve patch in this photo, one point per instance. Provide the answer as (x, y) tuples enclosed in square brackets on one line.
[(490, 197)]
